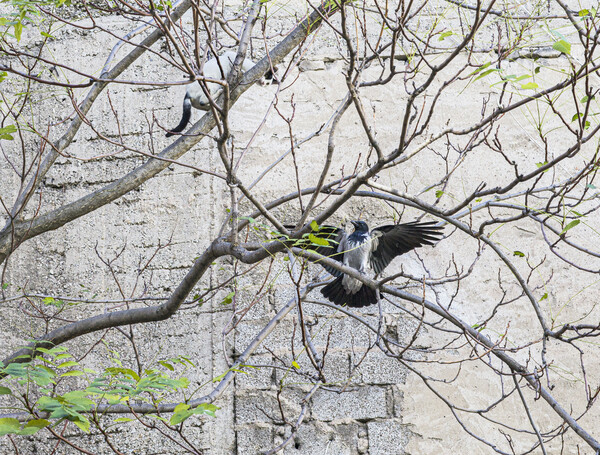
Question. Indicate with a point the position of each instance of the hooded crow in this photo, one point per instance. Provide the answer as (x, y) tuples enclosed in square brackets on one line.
[(369, 253)]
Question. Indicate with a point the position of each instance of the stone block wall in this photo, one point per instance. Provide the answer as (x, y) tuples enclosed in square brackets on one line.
[(169, 220)]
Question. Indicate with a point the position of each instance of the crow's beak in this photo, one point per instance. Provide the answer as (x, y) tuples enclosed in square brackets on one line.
[(354, 223)]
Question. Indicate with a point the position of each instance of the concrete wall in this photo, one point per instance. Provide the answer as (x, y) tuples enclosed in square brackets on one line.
[(384, 409)]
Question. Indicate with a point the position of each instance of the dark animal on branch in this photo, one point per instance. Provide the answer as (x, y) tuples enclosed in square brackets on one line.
[(216, 69), (367, 252)]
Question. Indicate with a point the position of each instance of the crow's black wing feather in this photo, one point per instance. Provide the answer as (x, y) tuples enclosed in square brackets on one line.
[(334, 237), (393, 240)]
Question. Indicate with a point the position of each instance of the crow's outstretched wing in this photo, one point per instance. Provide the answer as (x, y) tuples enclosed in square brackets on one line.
[(334, 237), (396, 239)]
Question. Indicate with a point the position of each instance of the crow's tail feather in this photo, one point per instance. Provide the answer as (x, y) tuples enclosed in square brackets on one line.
[(336, 293), (187, 113)]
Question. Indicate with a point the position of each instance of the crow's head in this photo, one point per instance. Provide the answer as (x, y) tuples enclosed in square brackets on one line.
[(360, 226)]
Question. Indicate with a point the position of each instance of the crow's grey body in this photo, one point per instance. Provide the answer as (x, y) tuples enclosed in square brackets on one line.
[(369, 253), (357, 250)]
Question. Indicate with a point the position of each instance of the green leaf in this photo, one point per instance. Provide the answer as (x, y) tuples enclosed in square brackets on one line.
[(180, 414), (317, 240), (162, 419), (83, 423), (63, 356), (314, 226), (445, 35), (228, 298), (295, 365), (79, 398), (518, 253), (478, 327), (167, 365), (206, 408), (70, 363), (529, 86), (123, 419), (576, 116), (25, 356), (72, 373), (590, 186), (439, 194), (47, 35), (188, 361), (48, 361), (583, 12), (586, 98), (562, 46), (481, 68), (571, 225), (49, 301), (520, 78), (18, 30), (40, 423), (5, 391), (16, 369), (33, 426), (115, 399), (46, 369), (6, 134), (125, 371), (485, 73), (544, 297), (9, 425)]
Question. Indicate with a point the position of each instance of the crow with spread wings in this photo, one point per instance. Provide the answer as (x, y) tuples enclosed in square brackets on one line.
[(369, 253)]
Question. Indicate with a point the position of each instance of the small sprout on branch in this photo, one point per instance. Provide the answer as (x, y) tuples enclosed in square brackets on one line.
[(569, 226)]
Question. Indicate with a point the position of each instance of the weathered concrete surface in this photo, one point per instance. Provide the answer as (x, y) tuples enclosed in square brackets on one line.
[(385, 409)]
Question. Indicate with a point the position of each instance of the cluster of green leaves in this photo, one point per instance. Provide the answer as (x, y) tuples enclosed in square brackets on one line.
[(585, 99), (69, 406), (561, 45), (320, 236), (118, 384), (41, 376), (161, 5), (51, 301), (485, 70), (316, 239), (588, 13), (25, 12), (42, 373), (10, 425), (259, 227), (115, 385)]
